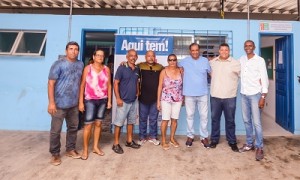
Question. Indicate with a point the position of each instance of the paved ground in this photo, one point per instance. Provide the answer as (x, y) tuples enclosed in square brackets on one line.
[(24, 155)]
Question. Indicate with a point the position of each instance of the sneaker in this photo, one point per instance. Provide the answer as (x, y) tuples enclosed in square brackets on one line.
[(213, 144), (55, 160), (259, 154), (246, 147), (205, 143), (189, 142), (234, 147), (132, 144), (117, 149), (73, 154), (142, 141), (154, 141)]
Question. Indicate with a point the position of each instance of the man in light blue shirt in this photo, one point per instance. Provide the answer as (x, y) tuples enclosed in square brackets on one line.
[(195, 90)]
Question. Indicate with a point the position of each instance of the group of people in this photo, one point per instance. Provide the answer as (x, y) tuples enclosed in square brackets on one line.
[(157, 89)]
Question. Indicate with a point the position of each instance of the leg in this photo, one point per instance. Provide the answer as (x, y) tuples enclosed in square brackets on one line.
[(153, 114), (72, 127), (173, 130), (216, 112), (229, 113), (256, 119), (143, 118), (97, 134), (190, 111), (86, 138), (203, 112), (56, 125), (163, 127), (117, 134), (129, 132), (246, 114)]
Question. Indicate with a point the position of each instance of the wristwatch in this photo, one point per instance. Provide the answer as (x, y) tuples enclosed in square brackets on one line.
[(263, 96)]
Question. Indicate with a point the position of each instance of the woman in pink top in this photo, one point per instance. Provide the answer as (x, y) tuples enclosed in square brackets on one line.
[(169, 99), (94, 98)]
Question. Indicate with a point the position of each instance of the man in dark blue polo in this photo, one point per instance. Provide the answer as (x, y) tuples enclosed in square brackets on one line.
[(126, 90)]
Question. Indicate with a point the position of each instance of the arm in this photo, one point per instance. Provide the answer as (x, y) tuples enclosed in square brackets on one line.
[(159, 89), (109, 89), (81, 90), (264, 80), (51, 106), (117, 93)]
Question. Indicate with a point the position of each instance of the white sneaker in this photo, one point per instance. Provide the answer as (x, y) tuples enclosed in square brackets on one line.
[(142, 141), (154, 141)]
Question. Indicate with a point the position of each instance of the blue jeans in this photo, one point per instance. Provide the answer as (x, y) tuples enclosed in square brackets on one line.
[(227, 106), (252, 117), (94, 110), (72, 118), (190, 105), (148, 111)]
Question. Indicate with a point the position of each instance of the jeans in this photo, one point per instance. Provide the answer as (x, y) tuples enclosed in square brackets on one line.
[(94, 110), (190, 105), (148, 111), (227, 106), (72, 118), (252, 117)]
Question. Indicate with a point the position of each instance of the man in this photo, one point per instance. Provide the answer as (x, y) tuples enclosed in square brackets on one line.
[(195, 90), (149, 76), (225, 73), (254, 89), (126, 90), (63, 94)]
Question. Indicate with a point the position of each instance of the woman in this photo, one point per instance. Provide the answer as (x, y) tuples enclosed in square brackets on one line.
[(169, 99), (96, 88)]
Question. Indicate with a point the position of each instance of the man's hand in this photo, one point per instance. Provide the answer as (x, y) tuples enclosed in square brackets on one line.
[(261, 103), (52, 108), (119, 102)]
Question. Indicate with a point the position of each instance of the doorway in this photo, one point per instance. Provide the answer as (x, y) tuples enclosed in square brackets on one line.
[(277, 116)]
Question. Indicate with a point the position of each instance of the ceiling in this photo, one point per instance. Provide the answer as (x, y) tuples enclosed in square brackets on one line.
[(236, 9)]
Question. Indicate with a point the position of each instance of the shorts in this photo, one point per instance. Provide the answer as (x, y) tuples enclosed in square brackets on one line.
[(170, 110), (94, 110), (127, 111)]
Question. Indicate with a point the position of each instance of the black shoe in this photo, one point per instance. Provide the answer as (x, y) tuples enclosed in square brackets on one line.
[(189, 142), (117, 149), (132, 144), (234, 147), (213, 144)]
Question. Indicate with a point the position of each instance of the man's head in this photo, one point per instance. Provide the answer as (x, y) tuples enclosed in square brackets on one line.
[(131, 56), (249, 47), (72, 51), (224, 51), (150, 57), (194, 50)]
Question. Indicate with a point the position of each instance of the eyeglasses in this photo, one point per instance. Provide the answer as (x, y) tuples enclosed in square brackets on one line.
[(98, 55), (172, 60)]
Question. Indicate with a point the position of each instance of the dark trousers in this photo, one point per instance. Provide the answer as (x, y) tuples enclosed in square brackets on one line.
[(71, 116), (218, 106), (148, 111)]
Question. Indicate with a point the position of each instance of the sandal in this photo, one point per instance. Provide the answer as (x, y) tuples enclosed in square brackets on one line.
[(83, 157), (165, 146), (175, 143), (100, 153)]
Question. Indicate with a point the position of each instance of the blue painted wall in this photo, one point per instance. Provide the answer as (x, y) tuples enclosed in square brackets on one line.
[(23, 89)]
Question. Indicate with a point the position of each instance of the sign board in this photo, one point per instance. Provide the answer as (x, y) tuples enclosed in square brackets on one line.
[(271, 26)]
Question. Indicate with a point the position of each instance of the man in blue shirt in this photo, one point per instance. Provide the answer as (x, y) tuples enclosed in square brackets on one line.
[(126, 90), (195, 90), (63, 93)]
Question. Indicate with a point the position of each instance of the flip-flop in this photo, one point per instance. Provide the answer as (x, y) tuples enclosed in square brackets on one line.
[(175, 144), (84, 157), (165, 147), (99, 153)]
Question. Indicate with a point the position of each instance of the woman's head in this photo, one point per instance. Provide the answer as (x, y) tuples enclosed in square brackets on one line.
[(172, 60), (98, 56)]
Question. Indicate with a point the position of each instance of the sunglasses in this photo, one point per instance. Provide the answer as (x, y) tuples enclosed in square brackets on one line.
[(174, 60)]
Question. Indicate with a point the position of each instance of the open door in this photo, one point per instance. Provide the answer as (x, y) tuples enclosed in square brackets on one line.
[(284, 84)]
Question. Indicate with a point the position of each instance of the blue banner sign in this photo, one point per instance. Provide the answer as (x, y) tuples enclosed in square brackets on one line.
[(161, 45)]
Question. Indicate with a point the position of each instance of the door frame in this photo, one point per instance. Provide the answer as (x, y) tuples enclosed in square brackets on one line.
[(290, 75)]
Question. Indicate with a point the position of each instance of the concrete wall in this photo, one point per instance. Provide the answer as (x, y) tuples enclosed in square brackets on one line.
[(23, 90)]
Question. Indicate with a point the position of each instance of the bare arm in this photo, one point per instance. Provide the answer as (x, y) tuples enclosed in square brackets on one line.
[(159, 89), (51, 106), (117, 93), (82, 87), (109, 89)]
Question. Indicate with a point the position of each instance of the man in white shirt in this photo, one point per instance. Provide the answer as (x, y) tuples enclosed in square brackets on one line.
[(254, 89)]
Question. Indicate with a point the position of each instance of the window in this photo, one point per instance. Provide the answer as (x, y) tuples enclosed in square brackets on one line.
[(27, 43)]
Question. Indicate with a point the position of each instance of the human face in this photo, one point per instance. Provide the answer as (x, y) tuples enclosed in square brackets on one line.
[(172, 61), (72, 52), (99, 57), (224, 52), (131, 57), (150, 57), (249, 47), (195, 52)]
